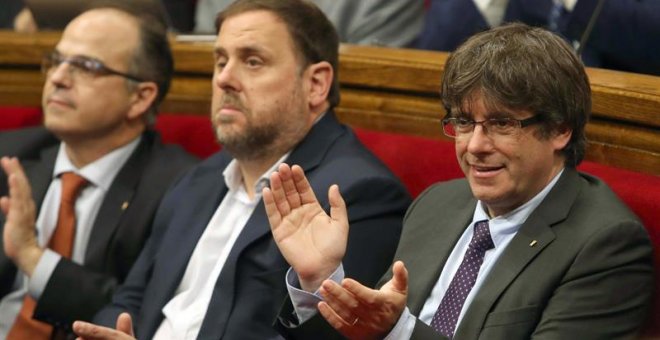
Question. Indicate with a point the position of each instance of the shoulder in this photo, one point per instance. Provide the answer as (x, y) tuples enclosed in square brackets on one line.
[(26, 143)]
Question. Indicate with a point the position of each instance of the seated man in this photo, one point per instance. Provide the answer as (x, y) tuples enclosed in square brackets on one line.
[(523, 247), (211, 269), (104, 82)]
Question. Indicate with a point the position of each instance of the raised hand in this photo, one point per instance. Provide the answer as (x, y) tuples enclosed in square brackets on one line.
[(359, 312), (19, 237), (90, 331), (311, 241)]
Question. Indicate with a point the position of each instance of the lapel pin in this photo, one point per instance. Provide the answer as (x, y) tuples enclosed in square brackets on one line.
[(533, 243), (124, 205)]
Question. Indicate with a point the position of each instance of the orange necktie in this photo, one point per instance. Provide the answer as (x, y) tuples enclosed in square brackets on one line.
[(62, 243)]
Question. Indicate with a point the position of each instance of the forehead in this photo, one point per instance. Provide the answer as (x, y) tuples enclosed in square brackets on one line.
[(105, 34), (477, 105), (258, 30)]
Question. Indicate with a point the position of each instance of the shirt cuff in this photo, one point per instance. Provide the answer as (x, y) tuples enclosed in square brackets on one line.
[(42, 273), (304, 303), (569, 4), (404, 327)]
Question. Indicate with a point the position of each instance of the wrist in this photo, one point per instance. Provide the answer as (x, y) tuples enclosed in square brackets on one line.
[(28, 258)]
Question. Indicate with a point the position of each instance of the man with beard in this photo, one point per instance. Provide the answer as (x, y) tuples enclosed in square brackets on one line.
[(61, 258), (211, 268)]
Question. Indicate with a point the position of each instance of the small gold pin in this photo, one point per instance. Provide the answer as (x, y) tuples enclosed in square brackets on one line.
[(124, 205), (533, 243)]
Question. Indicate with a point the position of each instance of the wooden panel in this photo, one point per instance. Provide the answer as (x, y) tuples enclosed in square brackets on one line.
[(382, 89)]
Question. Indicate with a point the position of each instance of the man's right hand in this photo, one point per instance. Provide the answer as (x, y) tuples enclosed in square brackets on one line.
[(359, 312), (311, 241), (19, 237), (90, 331)]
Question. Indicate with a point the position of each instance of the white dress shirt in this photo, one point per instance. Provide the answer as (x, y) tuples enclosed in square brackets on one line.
[(100, 175), (185, 312)]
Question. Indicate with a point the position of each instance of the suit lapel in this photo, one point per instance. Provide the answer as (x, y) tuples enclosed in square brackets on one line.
[(202, 198), (520, 252), (115, 202), (433, 242)]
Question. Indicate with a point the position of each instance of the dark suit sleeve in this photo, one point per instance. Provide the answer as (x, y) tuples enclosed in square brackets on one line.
[(606, 291), (375, 210), (128, 298)]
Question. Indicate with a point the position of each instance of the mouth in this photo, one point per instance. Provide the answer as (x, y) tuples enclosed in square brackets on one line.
[(485, 171), (59, 102)]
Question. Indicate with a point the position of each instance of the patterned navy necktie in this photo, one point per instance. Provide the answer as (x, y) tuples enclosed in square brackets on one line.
[(445, 318)]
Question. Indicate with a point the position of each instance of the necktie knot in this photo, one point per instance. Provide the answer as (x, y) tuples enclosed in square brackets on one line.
[(481, 239), (72, 184)]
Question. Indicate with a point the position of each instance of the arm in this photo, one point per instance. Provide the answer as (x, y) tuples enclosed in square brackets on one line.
[(607, 290), (368, 223)]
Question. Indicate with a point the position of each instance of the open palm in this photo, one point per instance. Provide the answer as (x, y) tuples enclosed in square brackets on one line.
[(311, 241)]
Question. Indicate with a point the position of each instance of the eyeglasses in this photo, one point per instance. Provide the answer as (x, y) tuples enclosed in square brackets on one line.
[(81, 66), (494, 127)]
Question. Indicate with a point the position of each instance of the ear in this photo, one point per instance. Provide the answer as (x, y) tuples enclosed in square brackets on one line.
[(562, 137), (143, 96), (320, 77)]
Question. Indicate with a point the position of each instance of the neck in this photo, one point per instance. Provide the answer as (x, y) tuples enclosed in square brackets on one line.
[(84, 152), (251, 171)]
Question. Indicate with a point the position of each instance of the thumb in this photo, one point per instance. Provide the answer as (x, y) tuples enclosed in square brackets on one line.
[(400, 279), (337, 205), (125, 324)]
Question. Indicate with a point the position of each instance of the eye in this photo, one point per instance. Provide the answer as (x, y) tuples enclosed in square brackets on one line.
[(253, 62), (502, 123), (463, 122)]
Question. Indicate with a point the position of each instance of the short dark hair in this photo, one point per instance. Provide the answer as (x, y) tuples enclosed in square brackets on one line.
[(519, 67), (152, 60), (313, 35)]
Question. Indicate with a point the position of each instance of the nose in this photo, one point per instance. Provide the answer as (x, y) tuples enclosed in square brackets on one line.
[(479, 142), (227, 78), (60, 75)]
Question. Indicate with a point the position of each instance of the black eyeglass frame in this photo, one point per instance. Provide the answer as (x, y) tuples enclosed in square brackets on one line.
[(85, 64), (522, 123)]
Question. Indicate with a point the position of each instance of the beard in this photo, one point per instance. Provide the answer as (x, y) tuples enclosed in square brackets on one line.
[(257, 140)]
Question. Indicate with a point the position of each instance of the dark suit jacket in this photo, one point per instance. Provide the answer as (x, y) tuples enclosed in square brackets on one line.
[(626, 35), (75, 291), (251, 285), (588, 276)]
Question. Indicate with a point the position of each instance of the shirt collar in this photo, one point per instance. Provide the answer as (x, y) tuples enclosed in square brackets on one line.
[(509, 223), (234, 179), (102, 171)]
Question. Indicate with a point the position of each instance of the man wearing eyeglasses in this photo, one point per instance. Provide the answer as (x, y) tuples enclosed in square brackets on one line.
[(524, 247), (64, 253)]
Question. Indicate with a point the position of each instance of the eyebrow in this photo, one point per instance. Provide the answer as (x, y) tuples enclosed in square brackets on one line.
[(242, 51)]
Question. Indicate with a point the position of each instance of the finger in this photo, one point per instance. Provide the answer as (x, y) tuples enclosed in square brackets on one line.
[(400, 278), (4, 204), (302, 185), (290, 191), (279, 197), (332, 317), (274, 216), (339, 299), (125, 324), (89, 331), (360, 291), (337, 205)]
